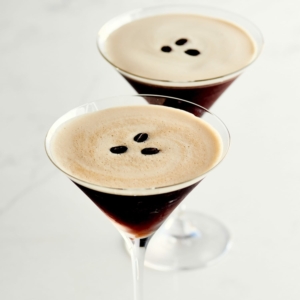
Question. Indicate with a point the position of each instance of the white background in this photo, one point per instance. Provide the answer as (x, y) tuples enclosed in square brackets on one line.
[(55, 244)]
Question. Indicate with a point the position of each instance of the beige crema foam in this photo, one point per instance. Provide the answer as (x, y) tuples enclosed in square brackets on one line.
[(188, 147), (136, 47)]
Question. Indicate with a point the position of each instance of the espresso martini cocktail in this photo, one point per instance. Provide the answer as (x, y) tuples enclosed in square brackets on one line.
[(193, 53), (137, 161), (139, 148)]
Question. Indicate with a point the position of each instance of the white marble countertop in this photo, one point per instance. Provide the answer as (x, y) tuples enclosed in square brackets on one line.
[(54, 244)]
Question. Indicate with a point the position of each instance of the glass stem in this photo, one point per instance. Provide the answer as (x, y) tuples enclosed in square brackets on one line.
[(137, 252), (180, 227), (180, 210)]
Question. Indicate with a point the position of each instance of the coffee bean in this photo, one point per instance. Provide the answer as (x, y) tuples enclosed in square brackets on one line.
[(166, 49), (118, 149), (141, 137), (150, 151), (181, 42), (192, 52)]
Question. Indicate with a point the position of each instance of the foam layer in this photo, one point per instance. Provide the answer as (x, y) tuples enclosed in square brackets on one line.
[(136, 47), (188, 147)]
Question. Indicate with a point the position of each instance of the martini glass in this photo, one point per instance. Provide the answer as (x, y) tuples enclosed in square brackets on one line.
[(194, 238), (132, 210)]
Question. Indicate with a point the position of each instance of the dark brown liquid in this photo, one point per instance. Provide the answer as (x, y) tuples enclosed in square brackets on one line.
[(202, 95), (140, 215)]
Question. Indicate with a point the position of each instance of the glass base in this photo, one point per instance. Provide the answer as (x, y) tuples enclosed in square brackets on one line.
[(188, 242)]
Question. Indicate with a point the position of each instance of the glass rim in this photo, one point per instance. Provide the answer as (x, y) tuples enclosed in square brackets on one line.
[(136, 191), (259, 43)]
